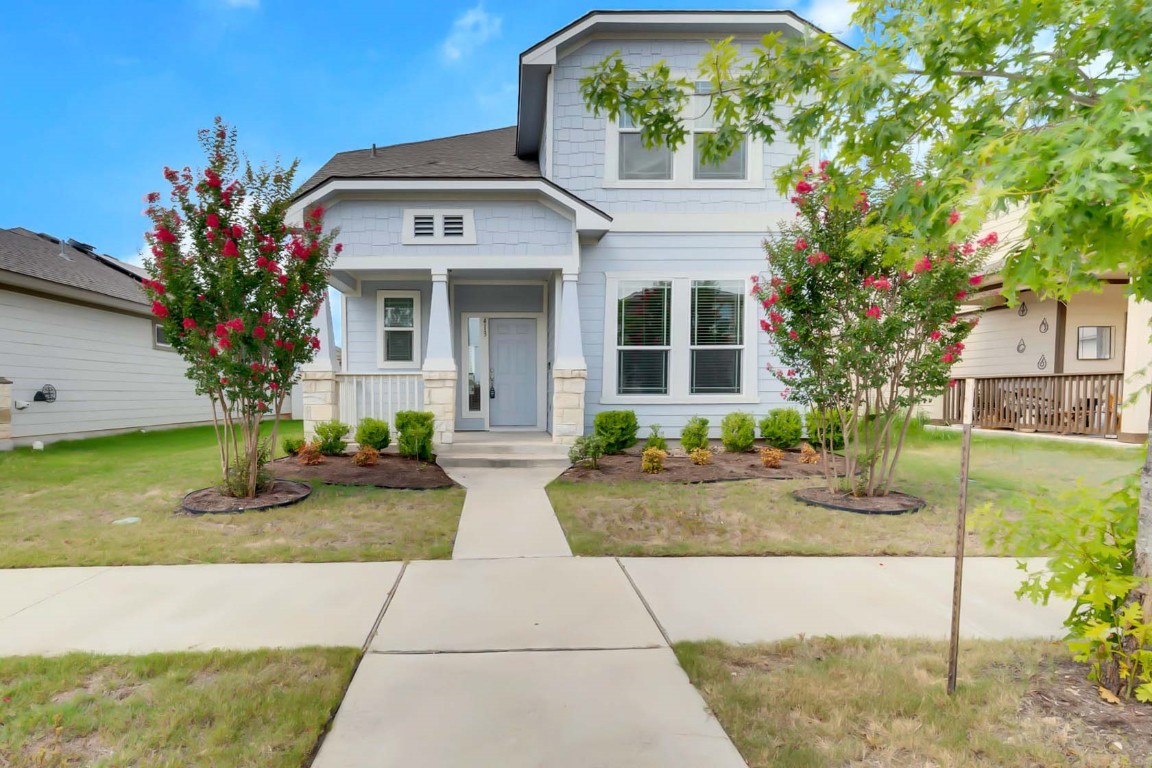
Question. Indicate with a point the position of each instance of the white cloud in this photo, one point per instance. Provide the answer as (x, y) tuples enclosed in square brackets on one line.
[(470, 30), (834, 16)]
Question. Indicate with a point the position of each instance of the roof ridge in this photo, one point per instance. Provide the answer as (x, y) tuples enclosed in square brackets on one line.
[(427, 141)]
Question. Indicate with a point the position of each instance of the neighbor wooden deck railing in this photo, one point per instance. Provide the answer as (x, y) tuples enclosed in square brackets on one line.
[(1066, 404), (954, 402)]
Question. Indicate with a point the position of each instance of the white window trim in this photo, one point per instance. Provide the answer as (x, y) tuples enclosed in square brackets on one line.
[(156, 342), (408, 236), (683, 162), (417, 341), (680, 357)]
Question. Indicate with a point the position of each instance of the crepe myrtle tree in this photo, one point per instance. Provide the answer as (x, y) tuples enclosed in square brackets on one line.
[(862, 339), (236, 289)]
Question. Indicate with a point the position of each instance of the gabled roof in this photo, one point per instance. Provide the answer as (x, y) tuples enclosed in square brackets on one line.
[(23, 252), (482, 155)]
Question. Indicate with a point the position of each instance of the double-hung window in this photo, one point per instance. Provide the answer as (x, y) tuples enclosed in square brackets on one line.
[(733, 167), (679, 340), (638, 161), (398, 316), (643, 336)]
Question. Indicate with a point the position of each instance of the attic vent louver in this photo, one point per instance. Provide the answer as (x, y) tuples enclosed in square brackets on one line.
[(453, 226), (424, 226)]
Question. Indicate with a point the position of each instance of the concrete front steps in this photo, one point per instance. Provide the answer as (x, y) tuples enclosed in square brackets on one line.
[(503, 449)]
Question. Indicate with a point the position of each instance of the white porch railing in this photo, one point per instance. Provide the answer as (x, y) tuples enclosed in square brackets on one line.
[(379, 395)]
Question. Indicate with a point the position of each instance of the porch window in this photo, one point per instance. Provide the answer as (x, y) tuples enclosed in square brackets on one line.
[(638, 161), (1094, 342), (644, 337), (717, 336), (398, 314)]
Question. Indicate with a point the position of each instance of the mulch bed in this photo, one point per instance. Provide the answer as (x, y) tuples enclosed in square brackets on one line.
[(1065, 694), (391, 471), (894, 503), (678, 468), (212, 501)]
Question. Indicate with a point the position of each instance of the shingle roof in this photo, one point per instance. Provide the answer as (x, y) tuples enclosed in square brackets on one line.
[(26, 253), (483, 155)]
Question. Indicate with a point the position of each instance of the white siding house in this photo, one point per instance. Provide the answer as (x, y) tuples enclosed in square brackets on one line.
[(80, 323), (529, 277)]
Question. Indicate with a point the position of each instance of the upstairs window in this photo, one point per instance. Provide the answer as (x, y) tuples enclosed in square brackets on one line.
[(638, 161), (438, 227), (735, 166)]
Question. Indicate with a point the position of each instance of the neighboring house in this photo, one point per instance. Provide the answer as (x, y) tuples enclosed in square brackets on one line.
[(529, 277), (79, 322)]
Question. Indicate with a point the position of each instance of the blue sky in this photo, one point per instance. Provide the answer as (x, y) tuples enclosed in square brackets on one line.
[(97, 97)]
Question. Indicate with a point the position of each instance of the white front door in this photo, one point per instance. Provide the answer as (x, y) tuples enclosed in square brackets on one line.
[(512, 372)]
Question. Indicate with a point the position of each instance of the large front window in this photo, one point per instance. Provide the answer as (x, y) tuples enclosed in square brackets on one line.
[(682, 339)]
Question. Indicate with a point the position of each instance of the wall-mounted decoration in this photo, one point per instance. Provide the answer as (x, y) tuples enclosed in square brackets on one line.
[(1021, 346), (1042, 363), (47, 394), (1044, 325), (1023, 309)]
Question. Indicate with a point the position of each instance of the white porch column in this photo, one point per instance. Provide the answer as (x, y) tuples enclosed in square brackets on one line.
[(439, 369), (318, 378), (570, 371), (1134, 414)]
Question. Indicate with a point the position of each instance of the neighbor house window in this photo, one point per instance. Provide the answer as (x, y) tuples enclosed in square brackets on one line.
[(1094, 342), (638, 162), (717, 336), (643, 337), (398, 314), (679, 340), (735, 166), (159, 337)]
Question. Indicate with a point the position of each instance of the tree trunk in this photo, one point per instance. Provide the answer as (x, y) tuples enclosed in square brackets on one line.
[(1143, 564)]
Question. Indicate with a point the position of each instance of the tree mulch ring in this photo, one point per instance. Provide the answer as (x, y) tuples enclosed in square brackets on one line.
[(1064, 694), (678, 468), (894, 503), (391, 471), (210, 501)]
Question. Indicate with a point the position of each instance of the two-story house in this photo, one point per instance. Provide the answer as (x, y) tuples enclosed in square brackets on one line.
[(528, 277)]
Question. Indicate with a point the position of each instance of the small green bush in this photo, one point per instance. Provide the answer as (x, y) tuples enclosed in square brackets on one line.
[(695, 434), (824, 429), (587, 451), (782, 428), (330, 437), (416, 429), (738, 432), (373, 433), (655, 439), (617, 429), (292, 445)]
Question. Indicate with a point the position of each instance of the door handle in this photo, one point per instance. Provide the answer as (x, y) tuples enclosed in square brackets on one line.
[(491, 384)]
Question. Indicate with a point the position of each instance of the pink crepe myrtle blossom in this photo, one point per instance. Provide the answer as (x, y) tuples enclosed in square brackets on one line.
[(873, 312), (988, 240), (954, 216)]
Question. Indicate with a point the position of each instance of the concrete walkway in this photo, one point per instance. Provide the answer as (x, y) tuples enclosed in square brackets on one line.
[(507, 514)]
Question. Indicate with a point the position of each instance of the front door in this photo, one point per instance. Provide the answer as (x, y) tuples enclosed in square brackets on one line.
[(512, 374)]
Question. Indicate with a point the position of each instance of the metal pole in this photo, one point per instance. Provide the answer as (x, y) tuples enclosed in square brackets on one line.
[(961, 534)]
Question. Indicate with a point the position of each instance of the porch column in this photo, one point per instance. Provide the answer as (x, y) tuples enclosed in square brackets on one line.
[(439, 369), (570, 371), (321, 393), (1134, 414), (5, 414)]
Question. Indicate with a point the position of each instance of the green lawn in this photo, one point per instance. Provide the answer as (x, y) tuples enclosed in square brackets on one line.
[(880, 702), (58, 508), (759, 517), (216, 710)]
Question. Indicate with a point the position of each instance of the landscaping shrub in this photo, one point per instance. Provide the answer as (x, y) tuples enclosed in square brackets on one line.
[(782, 428), (310, 454), (330, 437), (652, 460), (416, 429), (373, 433), (695, 434), (655, 439), (367, 456), (587, 451), (617, 429), (700, 456), (809, 455), (738, 432), (824, 429), (292, 445), (771, 457), (239, 477)]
